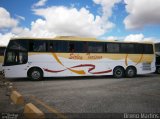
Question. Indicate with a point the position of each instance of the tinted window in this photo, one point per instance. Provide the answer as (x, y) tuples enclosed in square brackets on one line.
[(37, 46), (51, 46), (148, 49), (18, 45), (113, 48), (15, 57), (62, 46), (127, 48), (138, 48), (85, 47), (80, 47), (76, 46), (71, 46), (58, 46), (95, 47)]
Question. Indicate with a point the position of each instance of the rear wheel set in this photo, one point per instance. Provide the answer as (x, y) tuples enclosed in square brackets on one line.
[(130, 72), (120, 72)]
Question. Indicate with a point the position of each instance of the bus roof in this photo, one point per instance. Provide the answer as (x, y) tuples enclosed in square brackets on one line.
[(76, 38), (70, 38)]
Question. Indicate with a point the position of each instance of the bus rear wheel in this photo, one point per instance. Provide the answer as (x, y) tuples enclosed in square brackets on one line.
[(35, 74), (130, 72), (118, 72)]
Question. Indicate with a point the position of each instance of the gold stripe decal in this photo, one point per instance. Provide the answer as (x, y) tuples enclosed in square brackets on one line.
[(126, 62), (140, 59), (137, 62), (55, 56)]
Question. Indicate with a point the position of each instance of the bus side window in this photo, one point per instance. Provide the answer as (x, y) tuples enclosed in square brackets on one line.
[(127, 48), (85, 47), (113, 47), (148, 49), (63, 46), (51, 47), (95, 47), (31, 46), (71, 47), (138, 48), (41, 47), (79, 47), (37, 46)]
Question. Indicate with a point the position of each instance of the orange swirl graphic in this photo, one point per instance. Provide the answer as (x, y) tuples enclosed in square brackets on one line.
[(90, 70), (126, 62), (140, 59)]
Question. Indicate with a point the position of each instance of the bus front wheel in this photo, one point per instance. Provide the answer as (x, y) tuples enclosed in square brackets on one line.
[(118, 72), (130, 72), (35, 74)]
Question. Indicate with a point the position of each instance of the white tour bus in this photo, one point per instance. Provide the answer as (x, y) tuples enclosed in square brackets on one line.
[(64, 56), (157, 49)]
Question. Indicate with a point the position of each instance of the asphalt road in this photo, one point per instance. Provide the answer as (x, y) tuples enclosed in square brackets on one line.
[(96, 94)]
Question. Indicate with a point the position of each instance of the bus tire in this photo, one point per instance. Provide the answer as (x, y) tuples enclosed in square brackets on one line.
[(35, 74), (118, 72), (131, 72), (158, 70)]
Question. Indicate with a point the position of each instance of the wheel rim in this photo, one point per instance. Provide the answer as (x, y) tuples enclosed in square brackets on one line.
[(36, 75), (130, 72), (118, 73)]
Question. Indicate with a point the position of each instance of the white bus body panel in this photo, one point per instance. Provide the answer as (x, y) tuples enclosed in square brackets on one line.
[(15, 71), (62, 67)]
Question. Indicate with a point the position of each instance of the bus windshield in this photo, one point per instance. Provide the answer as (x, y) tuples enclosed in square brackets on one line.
[(15, 57), (18, 45), (16, 53)]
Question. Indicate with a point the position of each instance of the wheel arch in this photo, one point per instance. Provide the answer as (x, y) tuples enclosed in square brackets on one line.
[(132, 67), (31, 68), (119, 66)]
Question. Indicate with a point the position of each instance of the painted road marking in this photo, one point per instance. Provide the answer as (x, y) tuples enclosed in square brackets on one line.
[(50, 109)]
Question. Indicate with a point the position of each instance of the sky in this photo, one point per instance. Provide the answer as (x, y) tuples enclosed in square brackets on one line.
[(124, 20)]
